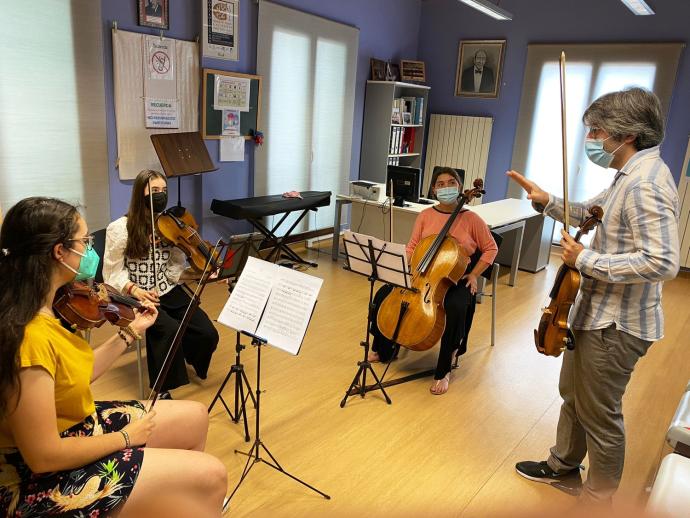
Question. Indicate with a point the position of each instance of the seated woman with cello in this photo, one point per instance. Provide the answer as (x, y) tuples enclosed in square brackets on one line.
[(61, 452), (128, 266), (474, 238)]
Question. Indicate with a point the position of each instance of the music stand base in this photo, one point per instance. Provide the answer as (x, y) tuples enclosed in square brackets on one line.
[(254, 453), (243, 391)]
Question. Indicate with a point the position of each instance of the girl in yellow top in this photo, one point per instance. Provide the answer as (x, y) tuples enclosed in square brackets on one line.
[(61, 453)]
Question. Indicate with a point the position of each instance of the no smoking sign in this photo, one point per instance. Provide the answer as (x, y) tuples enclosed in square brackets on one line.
[(160, 62)]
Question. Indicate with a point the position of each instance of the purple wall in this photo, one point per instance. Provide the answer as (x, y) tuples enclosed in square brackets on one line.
[(445, 22), (389, 29)]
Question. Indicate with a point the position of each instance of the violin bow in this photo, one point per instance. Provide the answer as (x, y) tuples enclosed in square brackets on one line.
[(153, 237), (564, 141), (177, 340)]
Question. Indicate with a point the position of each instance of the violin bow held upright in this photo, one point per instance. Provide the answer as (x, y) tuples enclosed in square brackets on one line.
[(553, 335)]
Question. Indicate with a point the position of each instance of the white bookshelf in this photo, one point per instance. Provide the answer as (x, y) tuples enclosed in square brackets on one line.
[(376, 132)]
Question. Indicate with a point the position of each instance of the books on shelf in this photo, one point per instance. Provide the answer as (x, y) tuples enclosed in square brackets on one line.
[(408, 110), (401, 140)]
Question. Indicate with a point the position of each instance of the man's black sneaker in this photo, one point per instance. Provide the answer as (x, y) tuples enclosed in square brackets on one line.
[(541, 472), (165, 395)]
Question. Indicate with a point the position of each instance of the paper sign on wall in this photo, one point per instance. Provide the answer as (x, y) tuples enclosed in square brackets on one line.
[(232, 149), (161, 113), (231, 123), (160, 58), (220, 29), (231, 93)]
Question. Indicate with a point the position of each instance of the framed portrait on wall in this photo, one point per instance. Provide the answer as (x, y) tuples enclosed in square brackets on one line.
[(479, 67), (153, 13)]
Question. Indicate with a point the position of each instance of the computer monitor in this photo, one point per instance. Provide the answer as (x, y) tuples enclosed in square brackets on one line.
[(406, 183)]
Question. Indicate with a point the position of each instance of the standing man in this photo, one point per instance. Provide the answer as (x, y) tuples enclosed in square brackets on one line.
[(478, 77), (617, 314)]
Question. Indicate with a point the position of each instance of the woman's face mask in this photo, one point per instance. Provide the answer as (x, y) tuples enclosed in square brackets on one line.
[(88, 265), (160, 201), (447, 195)]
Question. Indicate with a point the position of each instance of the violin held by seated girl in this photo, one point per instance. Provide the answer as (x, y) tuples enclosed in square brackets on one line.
[(61, 452), (141, 265)]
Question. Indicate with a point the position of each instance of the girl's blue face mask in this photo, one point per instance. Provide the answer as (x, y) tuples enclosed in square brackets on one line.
[(594, 148), (447, 195), (88, 265)]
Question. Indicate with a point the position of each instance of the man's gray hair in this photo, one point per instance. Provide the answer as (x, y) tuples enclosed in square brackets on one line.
[(633, 111)]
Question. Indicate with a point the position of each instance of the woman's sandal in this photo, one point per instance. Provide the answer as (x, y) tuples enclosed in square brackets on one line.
[(439, 387), (373, 357)]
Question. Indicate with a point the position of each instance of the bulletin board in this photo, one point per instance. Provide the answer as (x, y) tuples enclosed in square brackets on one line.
[(211, 124)]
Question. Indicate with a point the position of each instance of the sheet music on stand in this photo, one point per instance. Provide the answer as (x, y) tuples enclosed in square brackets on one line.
[(390, 258), (273, 302)]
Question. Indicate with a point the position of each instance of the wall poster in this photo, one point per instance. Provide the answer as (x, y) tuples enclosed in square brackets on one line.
[(220, 31)]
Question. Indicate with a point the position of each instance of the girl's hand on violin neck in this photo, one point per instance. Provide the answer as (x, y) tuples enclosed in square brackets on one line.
[(471, 282), (534, 192), (144, 317), (140, 430)]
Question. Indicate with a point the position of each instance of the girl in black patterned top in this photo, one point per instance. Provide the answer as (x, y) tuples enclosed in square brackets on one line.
[(128, 266)]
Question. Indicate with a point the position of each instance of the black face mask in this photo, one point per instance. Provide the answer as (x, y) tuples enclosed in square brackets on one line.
[(160, 201)]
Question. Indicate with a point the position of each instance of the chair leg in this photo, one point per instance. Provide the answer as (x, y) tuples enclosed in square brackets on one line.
[(494, 282), (140, 370)]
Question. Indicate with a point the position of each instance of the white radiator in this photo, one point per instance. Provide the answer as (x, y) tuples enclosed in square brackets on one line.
[(459, 142), (684, 226)]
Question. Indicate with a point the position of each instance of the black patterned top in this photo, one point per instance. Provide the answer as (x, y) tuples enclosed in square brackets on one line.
[(118, 269)]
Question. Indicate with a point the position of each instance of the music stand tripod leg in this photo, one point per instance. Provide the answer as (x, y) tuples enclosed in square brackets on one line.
[(240, 403), (254, 454), (365, 364)]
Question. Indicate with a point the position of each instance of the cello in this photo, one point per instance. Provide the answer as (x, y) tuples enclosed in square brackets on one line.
[(553, 335), (415, 318)]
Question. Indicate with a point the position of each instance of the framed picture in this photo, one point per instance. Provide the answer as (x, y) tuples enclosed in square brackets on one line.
[(378, 69), (412, 71), (392, 72), (153, 13), (479, 68), (220, 29)]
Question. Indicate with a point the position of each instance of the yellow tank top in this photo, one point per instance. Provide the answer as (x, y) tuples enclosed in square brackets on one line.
[(69, 360)]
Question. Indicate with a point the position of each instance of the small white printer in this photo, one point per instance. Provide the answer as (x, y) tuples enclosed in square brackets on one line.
[(365, 190)]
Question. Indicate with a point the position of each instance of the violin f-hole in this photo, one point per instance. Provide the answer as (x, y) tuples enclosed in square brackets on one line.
[(427, 300)]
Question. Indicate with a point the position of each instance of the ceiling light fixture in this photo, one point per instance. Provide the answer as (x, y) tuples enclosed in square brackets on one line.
[(639, 7), (491, 9)]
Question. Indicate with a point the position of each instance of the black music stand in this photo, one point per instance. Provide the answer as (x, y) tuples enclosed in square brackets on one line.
[(364, 255), (241, 395), (182, 154), (254, 453)]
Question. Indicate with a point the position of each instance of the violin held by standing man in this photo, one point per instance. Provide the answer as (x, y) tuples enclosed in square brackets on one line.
[(129, 263), (617, 314), (470, 236)]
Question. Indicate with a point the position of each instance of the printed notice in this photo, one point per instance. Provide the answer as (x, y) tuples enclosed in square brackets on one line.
[(231, 93), (231, 123), (161, 113), (219, 28), (160, 58), (272, 302)]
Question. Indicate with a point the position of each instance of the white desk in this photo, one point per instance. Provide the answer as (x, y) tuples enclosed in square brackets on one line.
[(503, 216)]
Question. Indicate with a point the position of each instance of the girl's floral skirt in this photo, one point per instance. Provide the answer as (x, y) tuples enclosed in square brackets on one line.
[(95, 490)]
